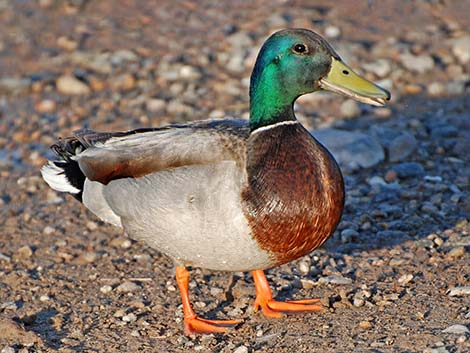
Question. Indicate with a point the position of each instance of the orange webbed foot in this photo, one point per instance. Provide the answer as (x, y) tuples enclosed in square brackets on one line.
[(275, 309)]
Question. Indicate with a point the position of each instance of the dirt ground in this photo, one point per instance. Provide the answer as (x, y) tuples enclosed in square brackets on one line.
[(395, 277)]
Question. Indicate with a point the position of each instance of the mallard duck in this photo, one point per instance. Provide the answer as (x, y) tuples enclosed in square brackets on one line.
[(231, 195)]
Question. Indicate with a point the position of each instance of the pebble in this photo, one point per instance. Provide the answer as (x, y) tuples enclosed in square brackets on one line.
[(417, 63), (458, 291), (458, 329), (351, 149), (349, 109), (405, 279), (408, 170), (436, 89), (124, 82), (71, 86), (457, 252), (24, 252), (402, 147), (380, 68), (155, 105), (335, 279), (66, 43), (304, 267), (48, 230), (348, 234), (461, 49), (13, 86), (45, 106), (241, 349), (365, 324), (106, 289), (8, 349), (332, 32), (129, 317), (127, 287)]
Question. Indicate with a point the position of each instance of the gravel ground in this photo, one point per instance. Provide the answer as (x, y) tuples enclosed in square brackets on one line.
[(396, 274)]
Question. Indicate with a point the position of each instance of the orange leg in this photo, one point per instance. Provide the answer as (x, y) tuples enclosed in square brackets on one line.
[(192, 323), (274, 309)]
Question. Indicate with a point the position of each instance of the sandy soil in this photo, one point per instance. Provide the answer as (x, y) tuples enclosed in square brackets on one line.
[(395, 276)]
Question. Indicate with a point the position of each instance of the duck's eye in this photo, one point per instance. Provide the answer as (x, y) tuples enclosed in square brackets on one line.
[(300, 48)]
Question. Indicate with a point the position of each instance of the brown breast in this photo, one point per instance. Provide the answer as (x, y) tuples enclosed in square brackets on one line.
[(295, 192)]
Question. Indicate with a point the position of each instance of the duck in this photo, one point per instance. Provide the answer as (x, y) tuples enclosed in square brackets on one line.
[(228, 194)]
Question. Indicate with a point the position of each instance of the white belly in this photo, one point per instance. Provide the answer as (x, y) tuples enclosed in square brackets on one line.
[(192, 214)]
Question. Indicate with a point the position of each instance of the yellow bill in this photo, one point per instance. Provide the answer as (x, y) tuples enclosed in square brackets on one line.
[(341, 79)]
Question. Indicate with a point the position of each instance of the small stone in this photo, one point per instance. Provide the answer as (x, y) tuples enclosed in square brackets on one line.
[(348, 234), (24, 252), (358, 302), (71, 86), (417, 63), (304, 267), (458, 329), (87, 257), (66, 43), (458, 291), (412, 88), (241, 349), (402, 147), (436, 89), (332, 32), (48, 230), (91, 225), (129, 317), (461, 339), (127, 287), (335, 279), (44, 298), (124, 82), (380, 68), (45, 106), (349, 109), (408, 170), (365, 324), (390, 176), (106, 289), (438, 241), (461, 49), (8, 349), (155, 105), (456, 252), (13, 86), (123, 243), (119, 313), (405, 279)]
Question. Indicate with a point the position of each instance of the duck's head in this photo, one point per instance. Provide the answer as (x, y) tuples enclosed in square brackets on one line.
[(294, 62)]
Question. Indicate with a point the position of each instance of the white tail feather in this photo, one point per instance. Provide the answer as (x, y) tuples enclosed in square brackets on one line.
[(56, 179)]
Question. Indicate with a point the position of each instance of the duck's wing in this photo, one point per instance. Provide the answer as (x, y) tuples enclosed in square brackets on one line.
[(109, 156)]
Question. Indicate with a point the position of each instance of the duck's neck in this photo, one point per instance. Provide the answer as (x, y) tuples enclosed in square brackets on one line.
[(270, 100)]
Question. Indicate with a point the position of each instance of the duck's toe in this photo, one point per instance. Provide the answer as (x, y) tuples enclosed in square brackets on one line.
[(199, 325)]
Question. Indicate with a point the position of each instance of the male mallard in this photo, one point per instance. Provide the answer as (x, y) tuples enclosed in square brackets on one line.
[(230, 194)]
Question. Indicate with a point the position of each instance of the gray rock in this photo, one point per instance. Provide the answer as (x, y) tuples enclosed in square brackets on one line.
[(408, 170), (458, 291), (459, 329), (351, 149), (381, 67), (11, 85), (401, 147), (335, 279), (417, 63)]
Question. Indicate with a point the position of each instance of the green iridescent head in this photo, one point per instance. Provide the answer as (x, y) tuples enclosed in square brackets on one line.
[(294, 62)]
